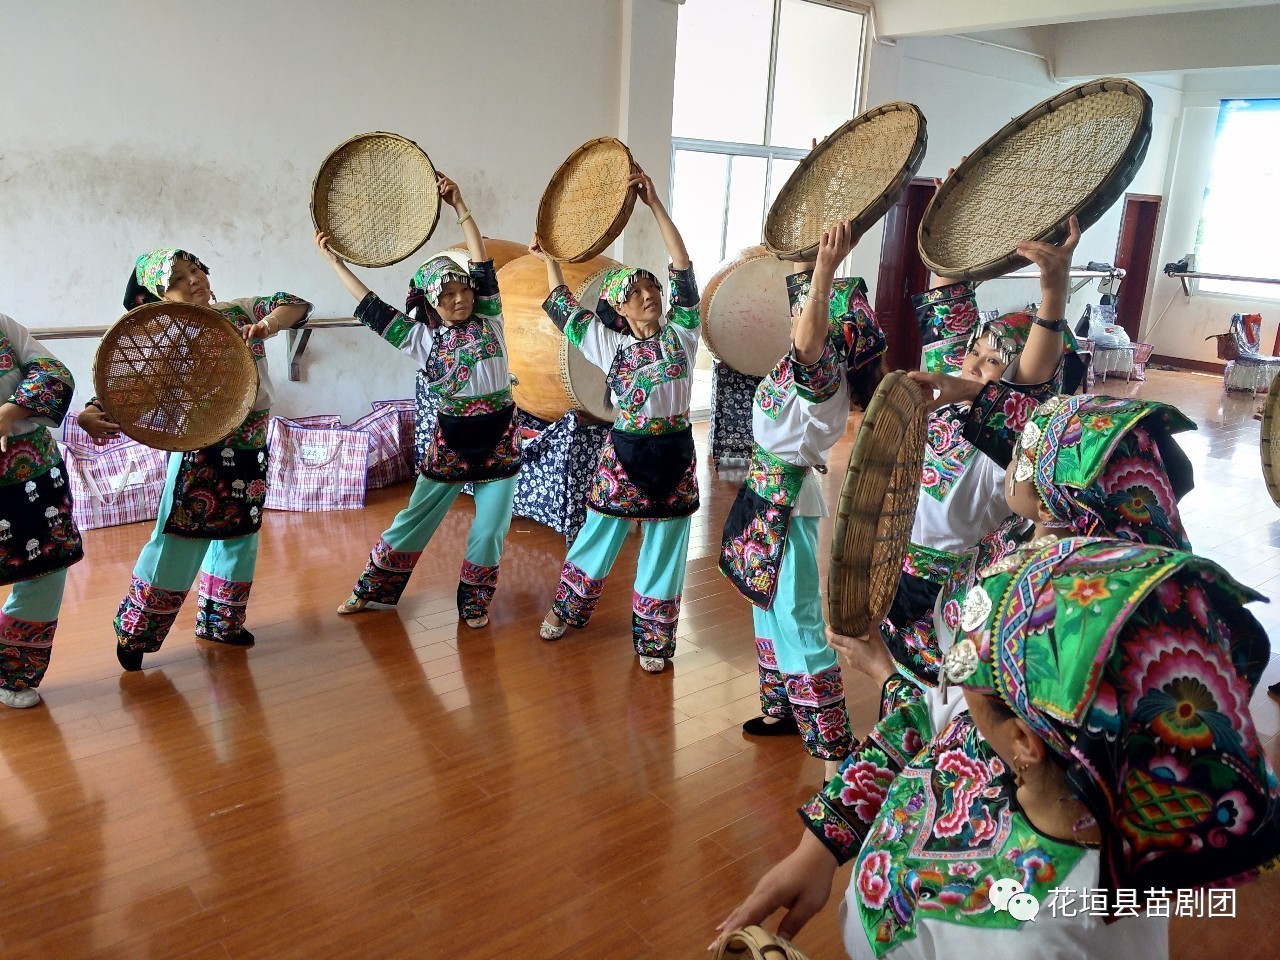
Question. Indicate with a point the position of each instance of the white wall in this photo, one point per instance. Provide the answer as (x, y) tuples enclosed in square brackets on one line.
[(129, 125), (1187, 321), (967, 91)]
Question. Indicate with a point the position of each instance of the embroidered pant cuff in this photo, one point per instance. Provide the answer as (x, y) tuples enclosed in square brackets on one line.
[(222, 606), (146, 615), (476, 586), (653, 625), (25, 647), (773, 693), (386, 574), (576, 596), (818, 705)]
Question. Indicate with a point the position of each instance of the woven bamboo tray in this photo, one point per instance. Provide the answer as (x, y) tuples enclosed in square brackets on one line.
[(857, 173), (175, 376), (1270, 445), (1072, 154), (877, 506), (756, 943), (376, 197), (587, 202)]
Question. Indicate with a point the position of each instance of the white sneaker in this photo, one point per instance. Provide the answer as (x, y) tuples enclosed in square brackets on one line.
[(20, 698), (549, 631), (653, 664)]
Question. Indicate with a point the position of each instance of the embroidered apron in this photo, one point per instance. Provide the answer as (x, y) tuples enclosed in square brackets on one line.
[(220, 490), (474, 447), (37, 533), (755, 534), (646, 476)]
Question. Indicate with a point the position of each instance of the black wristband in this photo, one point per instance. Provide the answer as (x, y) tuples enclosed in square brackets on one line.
[(1056, 326)]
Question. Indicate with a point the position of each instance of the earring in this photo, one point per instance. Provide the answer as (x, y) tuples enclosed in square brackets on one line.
[(1018, 780)]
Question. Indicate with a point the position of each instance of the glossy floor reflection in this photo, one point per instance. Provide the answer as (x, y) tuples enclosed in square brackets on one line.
[(386, 785)]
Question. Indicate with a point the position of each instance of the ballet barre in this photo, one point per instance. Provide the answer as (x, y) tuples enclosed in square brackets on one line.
[(1186, 275), (1082, 275)]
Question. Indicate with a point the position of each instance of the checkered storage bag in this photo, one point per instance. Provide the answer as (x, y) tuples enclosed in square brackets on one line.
[(316, 468), (72, 434), (390, 425), (114, 484)]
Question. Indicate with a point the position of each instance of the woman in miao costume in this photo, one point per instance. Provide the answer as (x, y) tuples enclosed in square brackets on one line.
[(38, 538), (1101, 464), (647, 469), (770, 546), (211, 506), (452, 326)]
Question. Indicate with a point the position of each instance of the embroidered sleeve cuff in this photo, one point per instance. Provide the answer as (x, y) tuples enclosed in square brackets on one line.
[(375, 313), (266, 304), (838, 835), (998, 415), (484, 279), (819, 380), (45, 389), (945, 312), (798, 289), (565, 312), (684, 287)]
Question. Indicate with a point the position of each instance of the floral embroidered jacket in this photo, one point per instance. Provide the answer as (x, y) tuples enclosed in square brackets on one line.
[(650, 378), (247, 310), (465, 364), (32, 377)]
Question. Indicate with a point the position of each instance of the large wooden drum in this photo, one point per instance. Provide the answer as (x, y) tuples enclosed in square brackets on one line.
[(502, 252), (553, 376), (746, 318)]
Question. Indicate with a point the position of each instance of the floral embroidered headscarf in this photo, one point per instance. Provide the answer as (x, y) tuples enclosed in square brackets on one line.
[(434, 274), (615, 286), (151, 275), (1108, 465), (1135, 665)]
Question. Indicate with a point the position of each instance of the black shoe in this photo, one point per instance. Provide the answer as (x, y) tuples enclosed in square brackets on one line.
[(241, 638), (771, 727), (131, 660), (1274, 689)]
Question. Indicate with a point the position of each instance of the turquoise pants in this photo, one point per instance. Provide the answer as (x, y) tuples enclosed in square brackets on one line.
[(799, 674), (398, 549), (659, 583), (27, 625), (165, 570)]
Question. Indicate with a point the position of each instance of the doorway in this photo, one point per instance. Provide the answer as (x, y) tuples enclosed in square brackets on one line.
[(902, 275), (1134, 251)]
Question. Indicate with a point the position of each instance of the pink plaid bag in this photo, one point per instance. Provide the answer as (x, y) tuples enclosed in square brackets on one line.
[(316, 468), (72, 434), (390, 426), (115, 484)]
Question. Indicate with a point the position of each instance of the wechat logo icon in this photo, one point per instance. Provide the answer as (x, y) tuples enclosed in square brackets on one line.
[(1010, 895)]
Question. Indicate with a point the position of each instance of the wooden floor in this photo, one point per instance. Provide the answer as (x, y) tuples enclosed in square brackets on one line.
[(396, 785)]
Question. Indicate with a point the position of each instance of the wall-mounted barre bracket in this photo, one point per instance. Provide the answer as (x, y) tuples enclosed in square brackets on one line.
[(296, 339)]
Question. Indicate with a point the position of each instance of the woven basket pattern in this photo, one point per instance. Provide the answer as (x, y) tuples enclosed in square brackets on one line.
[(175, 376), (1270, 445), (857, 174), (1074, 154), (877, 506), (376, 197), (587, 202), (756, 943)]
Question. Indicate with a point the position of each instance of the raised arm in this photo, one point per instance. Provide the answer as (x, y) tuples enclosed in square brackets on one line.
[(1043, 351), (671, 238), (451, 195), (355, 286), (809, 330)]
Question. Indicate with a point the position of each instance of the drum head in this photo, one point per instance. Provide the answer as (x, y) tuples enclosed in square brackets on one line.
[(1270, 446), (175, 376), (587, 202), (376, 197), (877, 506), (1073, 154), (857, 173), (746, 316)]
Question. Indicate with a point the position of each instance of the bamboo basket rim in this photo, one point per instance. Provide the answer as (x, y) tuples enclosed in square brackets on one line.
[(1086, 207), (797, 187), (219, 418), (866, 558), (556, 246), (367, 258), (1269, 445), (756, 943)]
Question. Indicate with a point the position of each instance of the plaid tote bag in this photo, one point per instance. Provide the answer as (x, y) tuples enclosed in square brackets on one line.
[(316, 468), (115, 484)]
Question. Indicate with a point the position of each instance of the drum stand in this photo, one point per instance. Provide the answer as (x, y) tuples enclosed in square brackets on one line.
[(732, 395), (559, 463)]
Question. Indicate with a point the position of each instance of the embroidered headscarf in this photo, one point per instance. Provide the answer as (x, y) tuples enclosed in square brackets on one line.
[(615, 286), (1108, 465), (860, 339), (1135, 665), (426, 285), (151, 275)]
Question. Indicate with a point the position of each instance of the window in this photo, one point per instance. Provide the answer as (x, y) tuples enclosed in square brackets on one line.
[(1242, 201), (756, 81)]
